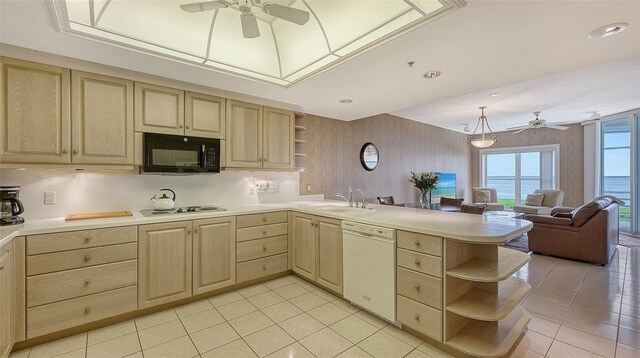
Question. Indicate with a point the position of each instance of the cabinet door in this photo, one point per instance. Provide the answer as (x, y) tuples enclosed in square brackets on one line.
[(159, 109), (244, 135), (164, 271), (204, 115), (304, 246), (329, 254), (35, 122), (5, 301), (278, 137), (102, 119), (214, 254)]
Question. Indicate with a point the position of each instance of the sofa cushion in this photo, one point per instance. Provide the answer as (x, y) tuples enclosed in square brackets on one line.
[(562, 215), (534, 200), (528, 209), (481, 196), (585, 212)]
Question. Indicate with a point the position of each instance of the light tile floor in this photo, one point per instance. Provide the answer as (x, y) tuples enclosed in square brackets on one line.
[(577, 310)]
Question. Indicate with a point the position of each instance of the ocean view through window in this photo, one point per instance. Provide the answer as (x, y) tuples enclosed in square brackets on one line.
[(516, 172)]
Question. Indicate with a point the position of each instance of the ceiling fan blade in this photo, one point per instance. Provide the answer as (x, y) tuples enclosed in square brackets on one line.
[(522, 130), (204, 6), (557, 124), (250, 28), (518, 127), (287, 13), (556, 127)]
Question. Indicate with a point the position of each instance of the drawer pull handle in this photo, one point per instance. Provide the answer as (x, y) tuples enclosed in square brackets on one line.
[(264, 267), (187, 127), (264, 219), (74, 152), (65, 151), (87, 258), (264, 248), (87, 310), (86, 240), (417, 243), (417, 287), (1, 267), (87, 282), (188, 232), (195, 231), (264, 232), (416, 317), (417, 262)]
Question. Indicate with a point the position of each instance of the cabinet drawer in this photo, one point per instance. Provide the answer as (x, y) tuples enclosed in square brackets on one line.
[(63, 285), (420, 262), (261, 219), (66, 260), (66, 314), (419, 287), (250, 270), (427, 244), (259, 232), (254, 249), (422, 318), (71, 240)]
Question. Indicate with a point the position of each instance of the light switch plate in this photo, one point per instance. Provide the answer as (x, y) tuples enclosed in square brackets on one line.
[(49, 198)]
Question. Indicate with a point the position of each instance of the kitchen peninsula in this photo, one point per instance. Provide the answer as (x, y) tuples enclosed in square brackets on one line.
[(454, 285)]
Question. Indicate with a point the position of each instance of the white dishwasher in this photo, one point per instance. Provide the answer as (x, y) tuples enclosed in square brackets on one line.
[(369, 268)]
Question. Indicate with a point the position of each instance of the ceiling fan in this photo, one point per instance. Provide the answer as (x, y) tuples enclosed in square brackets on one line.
[(539, 123), (247, 17)]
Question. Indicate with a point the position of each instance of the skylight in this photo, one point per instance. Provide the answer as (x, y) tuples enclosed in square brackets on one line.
[(285, 53)]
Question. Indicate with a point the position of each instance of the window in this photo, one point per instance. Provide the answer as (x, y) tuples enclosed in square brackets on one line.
[(615, 175), (516, 172)]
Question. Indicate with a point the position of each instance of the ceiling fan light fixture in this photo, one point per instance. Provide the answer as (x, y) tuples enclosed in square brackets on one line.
[(432, 74), (482, 139), (345, 101)]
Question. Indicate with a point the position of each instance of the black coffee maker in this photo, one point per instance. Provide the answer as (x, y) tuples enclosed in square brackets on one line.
[(10, 206)]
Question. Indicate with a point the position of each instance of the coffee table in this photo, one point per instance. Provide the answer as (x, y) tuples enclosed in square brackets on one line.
[(504, 214)]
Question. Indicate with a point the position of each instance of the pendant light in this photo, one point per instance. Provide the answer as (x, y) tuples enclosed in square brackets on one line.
[(482, 139)]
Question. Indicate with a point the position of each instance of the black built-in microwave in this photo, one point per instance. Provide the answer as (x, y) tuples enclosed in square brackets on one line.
[(165, 153)]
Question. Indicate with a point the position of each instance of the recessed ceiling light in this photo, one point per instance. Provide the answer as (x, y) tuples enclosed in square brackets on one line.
[(345, 100), (495, 94), (608, 30), (432, 74)]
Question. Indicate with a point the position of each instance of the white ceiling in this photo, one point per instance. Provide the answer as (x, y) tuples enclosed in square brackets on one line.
[(487, 46)]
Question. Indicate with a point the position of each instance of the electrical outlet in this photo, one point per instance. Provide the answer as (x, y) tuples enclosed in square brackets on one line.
[(308, 187), (252, 190), (49, 198)]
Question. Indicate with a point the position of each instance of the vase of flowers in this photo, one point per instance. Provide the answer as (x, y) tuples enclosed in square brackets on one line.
[(425, 182)]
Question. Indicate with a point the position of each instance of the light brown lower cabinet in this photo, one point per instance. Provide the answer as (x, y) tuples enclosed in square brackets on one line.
[(164, 271), (5, 300), (317, 250), (214, 252)]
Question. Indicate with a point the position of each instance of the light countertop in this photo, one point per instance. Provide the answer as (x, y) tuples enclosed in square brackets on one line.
[(462, 227)]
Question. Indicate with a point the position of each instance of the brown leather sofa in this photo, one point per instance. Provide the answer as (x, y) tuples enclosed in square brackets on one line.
[(587, 233)]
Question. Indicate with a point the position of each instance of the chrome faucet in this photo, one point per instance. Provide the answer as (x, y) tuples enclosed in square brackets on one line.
[(340, 196), (349, 200), (364, 199)]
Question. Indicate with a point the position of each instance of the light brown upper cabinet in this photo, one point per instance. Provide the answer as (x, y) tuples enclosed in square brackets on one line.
[(204, 115), (35, 109), (102, 119), (278, 138), (159, 109), (164, 263), (244, 135), (214, 254), (259, 137)]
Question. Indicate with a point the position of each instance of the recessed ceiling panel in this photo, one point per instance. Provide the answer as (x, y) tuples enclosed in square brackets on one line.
[(283, 54)]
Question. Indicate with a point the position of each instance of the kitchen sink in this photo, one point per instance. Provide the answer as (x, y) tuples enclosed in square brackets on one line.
[(348, 211)]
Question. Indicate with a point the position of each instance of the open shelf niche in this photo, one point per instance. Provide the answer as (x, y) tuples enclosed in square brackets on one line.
[(299, 141), (482, 299)]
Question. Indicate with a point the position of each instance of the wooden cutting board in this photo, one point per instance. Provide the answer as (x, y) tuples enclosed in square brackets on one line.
[(111, 214)]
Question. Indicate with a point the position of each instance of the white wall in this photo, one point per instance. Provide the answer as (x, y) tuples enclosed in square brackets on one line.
[(85, 192)]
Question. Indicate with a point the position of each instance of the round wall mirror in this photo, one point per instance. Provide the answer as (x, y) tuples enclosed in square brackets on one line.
[(369, 156)]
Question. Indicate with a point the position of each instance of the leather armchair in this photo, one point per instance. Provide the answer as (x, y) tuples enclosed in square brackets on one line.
[(493, 204), (552, 198), (573, 234)]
